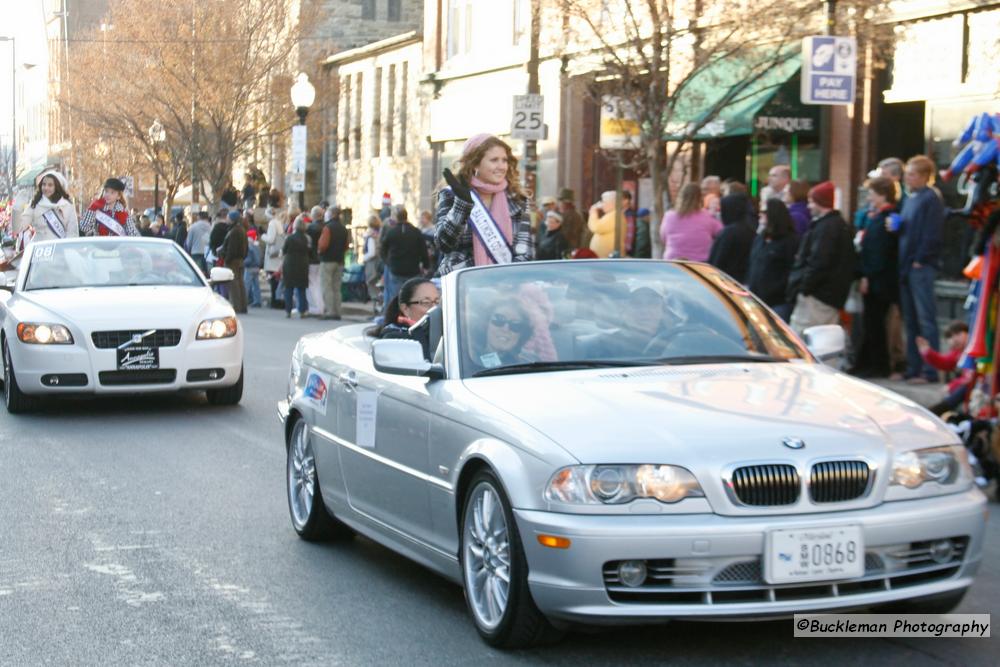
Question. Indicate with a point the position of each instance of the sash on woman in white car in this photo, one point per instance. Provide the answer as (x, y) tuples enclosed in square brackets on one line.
[(52, 219), (110, 223)]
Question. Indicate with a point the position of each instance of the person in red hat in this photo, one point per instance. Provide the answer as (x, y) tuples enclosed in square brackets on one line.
[(108, 214), (824, 266)]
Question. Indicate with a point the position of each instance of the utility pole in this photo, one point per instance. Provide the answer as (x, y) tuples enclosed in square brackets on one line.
[(531, 145), (195, 181), (826, 113)]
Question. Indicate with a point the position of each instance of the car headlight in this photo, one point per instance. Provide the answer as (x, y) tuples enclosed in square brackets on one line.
[(293, 372), (222, 327), (44, 334), (619, 484), (943, 465)]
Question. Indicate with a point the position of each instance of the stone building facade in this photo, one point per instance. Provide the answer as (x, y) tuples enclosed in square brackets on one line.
[(378, 124)]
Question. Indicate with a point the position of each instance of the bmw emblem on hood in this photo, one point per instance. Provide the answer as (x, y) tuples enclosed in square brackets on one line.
[(794, 443)]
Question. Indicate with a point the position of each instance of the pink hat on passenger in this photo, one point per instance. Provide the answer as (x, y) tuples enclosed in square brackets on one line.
[(474, 142)]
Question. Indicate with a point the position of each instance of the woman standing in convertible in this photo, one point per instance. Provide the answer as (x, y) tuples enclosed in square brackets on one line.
[(108, 214), (50, 215), (482, 215)]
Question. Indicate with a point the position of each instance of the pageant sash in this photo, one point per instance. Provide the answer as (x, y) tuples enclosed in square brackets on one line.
[(110, 223), (52, 219), (488, 231)]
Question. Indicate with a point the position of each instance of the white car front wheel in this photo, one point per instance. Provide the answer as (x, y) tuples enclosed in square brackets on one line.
[(14, 399)]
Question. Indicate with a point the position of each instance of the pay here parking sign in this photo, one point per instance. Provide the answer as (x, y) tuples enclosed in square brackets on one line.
[(829, 68)]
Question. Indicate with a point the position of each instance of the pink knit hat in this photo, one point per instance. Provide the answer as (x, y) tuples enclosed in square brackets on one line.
[(474, 142)]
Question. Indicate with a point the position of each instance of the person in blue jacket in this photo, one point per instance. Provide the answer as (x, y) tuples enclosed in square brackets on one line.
[(920, 239)]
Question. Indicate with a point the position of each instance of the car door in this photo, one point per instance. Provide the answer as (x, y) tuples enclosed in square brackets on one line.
[(384, 428)]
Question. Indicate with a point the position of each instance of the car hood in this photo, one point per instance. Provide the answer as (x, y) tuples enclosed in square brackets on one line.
[(713, 413), (128, 306)]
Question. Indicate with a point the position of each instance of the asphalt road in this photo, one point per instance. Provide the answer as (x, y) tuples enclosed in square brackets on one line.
[(156, 531)]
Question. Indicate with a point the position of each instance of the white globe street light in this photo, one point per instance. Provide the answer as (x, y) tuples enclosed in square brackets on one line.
[(303, 96)]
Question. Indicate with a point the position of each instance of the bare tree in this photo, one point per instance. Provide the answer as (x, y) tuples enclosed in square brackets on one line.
[(204, 69)]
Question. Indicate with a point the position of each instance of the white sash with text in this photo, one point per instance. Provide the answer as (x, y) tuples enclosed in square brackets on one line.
[(110, 223), (488, 231)]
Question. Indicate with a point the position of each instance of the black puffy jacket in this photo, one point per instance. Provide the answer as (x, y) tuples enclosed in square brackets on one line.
[(824, 266)]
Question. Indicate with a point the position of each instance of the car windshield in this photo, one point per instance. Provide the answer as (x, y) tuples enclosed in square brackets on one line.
[(107, 264), (585, 314)]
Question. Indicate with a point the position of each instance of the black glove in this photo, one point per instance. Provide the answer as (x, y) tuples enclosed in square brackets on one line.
[(459, 186)]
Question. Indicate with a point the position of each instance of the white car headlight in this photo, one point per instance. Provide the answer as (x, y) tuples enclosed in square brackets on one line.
[(619, 484), (944, 465), (44, 334), (222, 327)]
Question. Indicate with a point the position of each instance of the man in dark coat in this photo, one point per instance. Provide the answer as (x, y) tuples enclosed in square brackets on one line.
[(331, 248), (295, 268), (731, 248), (234, 250), (824, 266), (403, 252)]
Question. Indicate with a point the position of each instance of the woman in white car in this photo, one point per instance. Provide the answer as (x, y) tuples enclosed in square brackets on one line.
[(50, 215)]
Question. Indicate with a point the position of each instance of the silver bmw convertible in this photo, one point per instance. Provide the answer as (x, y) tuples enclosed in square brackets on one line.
[(627, 442)]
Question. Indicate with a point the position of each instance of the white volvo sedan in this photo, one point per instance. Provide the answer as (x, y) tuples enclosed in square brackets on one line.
[(116, 316), (627, 441)]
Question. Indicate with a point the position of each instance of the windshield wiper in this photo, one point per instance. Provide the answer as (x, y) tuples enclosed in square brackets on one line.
[(545, 366), (712, 359)]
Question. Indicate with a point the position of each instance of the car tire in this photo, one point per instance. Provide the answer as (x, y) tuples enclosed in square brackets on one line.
[(943, 603), (227, 395), (488, 556), (310, 518), (16, 401)]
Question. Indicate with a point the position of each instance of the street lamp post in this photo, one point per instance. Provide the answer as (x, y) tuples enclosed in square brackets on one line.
[(157, 135), (13, 111), (303, 96)]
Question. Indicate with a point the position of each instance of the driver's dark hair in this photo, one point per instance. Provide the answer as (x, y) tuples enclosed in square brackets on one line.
[(58, 195), (392, 310)]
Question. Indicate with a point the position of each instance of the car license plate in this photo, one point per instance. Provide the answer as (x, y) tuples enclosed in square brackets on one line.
[(814, 554), (138, 358)]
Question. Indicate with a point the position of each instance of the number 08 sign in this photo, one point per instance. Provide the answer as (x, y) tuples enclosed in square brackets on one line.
[(528, 121)]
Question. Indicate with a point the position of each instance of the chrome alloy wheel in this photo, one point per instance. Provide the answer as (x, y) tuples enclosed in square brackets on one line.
[(486, 557), (301, 475)]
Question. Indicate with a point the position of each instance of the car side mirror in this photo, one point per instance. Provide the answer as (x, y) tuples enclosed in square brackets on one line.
[(826, 341), (403, 357), (220, 274)]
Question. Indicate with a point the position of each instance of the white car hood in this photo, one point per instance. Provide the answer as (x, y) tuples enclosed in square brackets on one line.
[(712, 413), (127, 306)]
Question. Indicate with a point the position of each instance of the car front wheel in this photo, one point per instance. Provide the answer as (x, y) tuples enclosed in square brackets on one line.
[(227, 395), (14, 399), (495, 570), (310, 517)]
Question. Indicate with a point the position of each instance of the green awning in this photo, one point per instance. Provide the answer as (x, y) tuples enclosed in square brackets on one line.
[(723, 99), (28, 177)]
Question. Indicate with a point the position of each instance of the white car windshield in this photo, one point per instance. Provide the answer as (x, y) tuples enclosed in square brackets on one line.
[(107, 264), (525, 317)]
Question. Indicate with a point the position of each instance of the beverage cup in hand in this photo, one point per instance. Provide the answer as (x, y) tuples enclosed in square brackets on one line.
[(893, 222)]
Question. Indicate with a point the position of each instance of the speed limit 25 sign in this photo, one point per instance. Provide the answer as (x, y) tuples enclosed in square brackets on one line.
[(527, 122)]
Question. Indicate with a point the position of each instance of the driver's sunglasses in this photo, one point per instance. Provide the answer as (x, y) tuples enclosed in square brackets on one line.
[(517, 326), (426, 303)]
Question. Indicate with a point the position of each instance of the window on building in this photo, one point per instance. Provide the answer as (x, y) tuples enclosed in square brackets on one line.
[(346, 119), (390, 108), (404, 95), (358, 82), (459, 27), (395, 10), (368, 10), (376, 128)]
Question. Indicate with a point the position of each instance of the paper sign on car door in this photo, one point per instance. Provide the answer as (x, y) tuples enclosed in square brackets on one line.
[(367, 402)]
